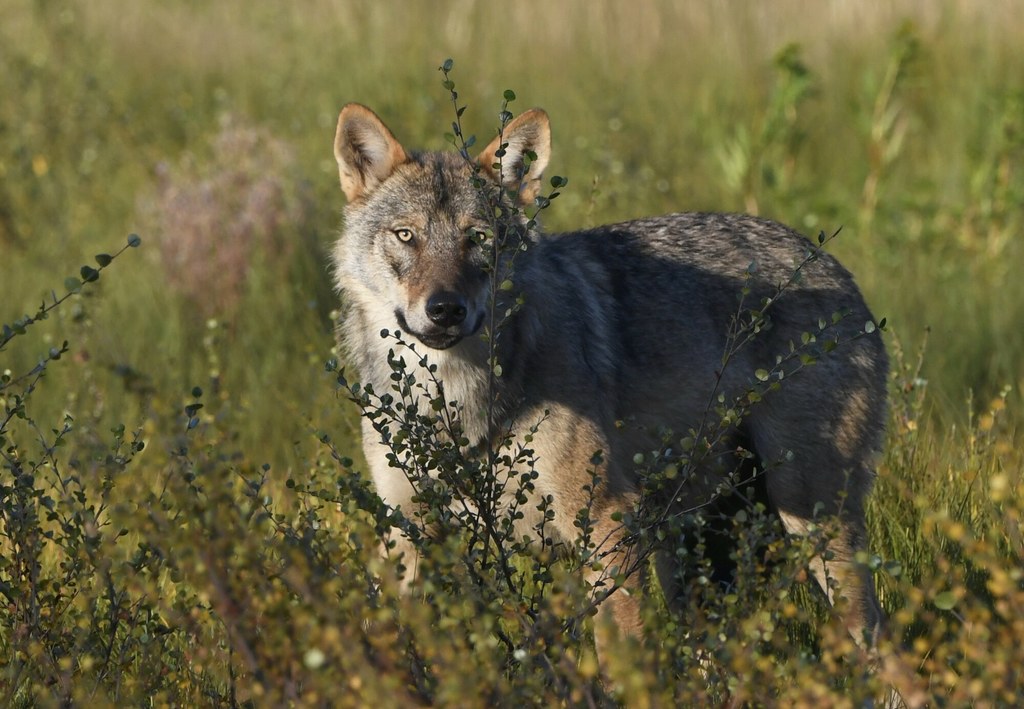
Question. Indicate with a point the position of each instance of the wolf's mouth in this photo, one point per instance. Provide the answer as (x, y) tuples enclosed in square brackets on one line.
[(440, 338)]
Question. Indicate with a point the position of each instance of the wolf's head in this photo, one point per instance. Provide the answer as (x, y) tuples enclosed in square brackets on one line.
[(414, 254)]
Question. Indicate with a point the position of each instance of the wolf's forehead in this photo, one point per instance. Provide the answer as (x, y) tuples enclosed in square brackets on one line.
[(439, 182)]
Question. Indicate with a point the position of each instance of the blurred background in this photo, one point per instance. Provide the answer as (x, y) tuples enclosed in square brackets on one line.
[(207, 129)]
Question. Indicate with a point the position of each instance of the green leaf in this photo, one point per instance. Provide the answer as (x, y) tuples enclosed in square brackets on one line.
[(509, 95), (945, 601), (103, 259), (89, 274), (761, 374), (447, 65), (134, 241), (72, 284)]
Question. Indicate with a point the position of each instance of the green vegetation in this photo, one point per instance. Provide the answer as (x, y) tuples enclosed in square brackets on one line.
[(180, 520)]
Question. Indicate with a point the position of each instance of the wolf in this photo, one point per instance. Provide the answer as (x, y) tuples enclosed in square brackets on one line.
[(619, 334)]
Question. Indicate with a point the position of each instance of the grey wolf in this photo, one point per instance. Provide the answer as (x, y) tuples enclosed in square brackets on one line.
[(619, 336)]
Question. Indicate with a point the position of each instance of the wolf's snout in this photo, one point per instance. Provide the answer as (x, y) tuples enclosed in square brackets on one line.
[(446, 309)]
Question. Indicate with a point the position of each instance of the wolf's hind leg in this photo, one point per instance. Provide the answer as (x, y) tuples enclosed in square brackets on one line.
[(842, 575)]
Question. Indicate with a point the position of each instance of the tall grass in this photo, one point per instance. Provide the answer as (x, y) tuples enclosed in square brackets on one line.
[(901, 124)]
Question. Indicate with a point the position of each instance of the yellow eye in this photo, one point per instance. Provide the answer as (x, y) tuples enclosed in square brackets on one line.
[(404, 235)]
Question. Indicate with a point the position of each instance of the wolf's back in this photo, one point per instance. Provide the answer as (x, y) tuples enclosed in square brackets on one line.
[(664, 314)]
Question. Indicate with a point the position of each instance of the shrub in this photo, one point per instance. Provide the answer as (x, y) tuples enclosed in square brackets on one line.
[(215, 218)]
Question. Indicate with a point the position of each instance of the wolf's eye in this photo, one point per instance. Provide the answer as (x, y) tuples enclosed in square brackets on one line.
[(404, 235)]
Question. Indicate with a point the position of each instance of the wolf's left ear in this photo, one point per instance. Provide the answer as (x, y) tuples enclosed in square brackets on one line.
[(366, 151), (516, 169)]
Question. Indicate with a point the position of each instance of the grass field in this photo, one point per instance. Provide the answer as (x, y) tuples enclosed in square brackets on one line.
[(153, 552)]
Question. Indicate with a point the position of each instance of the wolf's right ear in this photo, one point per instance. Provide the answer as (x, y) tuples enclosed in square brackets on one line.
[(366, 151), (516, 159)]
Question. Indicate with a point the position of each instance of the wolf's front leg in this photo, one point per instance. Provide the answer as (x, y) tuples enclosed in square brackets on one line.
[(577, 469), (617, 582), (395, 489)]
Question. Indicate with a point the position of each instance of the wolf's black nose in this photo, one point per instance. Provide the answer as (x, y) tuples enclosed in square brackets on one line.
[(446, 309)]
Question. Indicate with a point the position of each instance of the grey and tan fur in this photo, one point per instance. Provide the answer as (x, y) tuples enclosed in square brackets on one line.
[(621, 334)]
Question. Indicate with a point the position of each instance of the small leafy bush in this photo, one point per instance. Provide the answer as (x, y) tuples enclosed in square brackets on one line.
[(216, 217)]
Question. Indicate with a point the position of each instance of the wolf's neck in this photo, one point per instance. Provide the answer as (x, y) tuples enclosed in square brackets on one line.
[(458, 377)]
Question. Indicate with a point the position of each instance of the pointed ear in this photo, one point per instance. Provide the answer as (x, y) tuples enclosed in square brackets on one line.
[(366, 151), (530, 132)]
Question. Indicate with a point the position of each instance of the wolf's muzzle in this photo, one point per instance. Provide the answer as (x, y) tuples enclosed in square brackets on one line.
[(446, 309), (448, 325)]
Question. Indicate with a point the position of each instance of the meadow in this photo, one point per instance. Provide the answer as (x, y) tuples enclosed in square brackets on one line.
[(182, 516)]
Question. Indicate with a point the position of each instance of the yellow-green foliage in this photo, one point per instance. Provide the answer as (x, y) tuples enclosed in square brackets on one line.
[(217, 546)]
